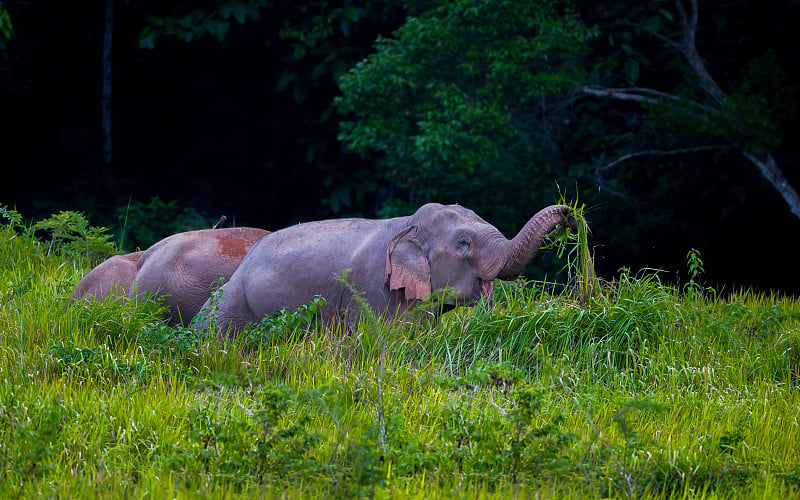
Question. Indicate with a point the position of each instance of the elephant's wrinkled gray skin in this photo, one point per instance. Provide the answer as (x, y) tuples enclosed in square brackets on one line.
[(183, 267), (112, 276), (395, 262)]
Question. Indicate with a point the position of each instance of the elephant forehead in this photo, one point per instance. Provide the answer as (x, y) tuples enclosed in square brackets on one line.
[(457, 213), (458, 218)]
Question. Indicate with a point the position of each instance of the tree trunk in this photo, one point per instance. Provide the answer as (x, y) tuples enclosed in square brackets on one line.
[(106, 111)]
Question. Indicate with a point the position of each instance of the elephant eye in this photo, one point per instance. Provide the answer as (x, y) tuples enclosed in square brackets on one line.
[(463, 243)]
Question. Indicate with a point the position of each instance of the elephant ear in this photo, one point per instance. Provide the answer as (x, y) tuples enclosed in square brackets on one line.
[(407, 265)]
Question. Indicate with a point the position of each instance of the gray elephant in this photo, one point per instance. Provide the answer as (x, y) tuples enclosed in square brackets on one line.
[(113, 276), (395, 262), (183, 267)]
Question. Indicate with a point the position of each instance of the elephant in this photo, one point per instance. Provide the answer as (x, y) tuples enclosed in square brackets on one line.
[(395, 263), (113, 276), (183, 267)]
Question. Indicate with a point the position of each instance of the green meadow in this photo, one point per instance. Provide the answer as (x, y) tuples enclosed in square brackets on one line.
[(627, 388)]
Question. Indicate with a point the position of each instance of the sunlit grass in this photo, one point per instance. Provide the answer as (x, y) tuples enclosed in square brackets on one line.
[(636, 389)]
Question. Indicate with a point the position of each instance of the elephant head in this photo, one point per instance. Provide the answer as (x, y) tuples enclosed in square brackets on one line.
[(113, 276), (451, 246), (395, 263)]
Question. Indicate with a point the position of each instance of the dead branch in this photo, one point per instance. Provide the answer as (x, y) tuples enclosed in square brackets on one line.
[(657, 152)]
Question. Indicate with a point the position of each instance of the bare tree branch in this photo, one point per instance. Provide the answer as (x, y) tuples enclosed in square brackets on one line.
[(657, 152), (617, 94), (649, 152), (652, 96), (765, 163), (633, 92)]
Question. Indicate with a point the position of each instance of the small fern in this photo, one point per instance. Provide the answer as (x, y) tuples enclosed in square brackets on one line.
[(70, 234)]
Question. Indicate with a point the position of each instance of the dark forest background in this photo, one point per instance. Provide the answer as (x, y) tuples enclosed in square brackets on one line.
[(674, 122)]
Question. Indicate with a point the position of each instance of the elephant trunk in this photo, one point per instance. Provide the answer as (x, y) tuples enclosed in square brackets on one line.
[(516, 253)]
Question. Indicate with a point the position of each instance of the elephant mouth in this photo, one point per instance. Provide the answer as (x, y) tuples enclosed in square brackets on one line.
[(482, 291), (486, 290)]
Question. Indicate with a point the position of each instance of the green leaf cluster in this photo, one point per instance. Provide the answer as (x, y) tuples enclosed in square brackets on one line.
[(197, 22), (71, 234), (281, 325), (12, 217), (6, 29)]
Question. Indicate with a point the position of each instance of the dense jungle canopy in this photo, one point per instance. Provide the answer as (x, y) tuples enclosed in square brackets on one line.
[(675, 122)]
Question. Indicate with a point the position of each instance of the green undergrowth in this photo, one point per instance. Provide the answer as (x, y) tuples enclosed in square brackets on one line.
[(629, 388)]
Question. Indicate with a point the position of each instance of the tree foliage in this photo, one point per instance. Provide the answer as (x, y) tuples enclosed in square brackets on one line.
[(496, 102), (451, 101), (189, 21), (324, 40)]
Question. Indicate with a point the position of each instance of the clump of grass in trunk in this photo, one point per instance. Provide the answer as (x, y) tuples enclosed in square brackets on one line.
[(586, 283), (580, 261)]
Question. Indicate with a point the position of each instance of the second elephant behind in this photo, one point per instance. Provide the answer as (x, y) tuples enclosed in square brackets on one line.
[(112, 277), (184, 267)]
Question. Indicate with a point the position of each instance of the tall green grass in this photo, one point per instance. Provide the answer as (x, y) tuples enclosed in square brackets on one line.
[(635, 390)]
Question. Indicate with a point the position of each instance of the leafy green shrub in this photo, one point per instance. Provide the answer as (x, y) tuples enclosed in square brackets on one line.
[(173, 340), (100, 364), (30, 436), (71, 234), (12, 217), (66, 233), (266, 443), (518, 443), (281, 324)]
